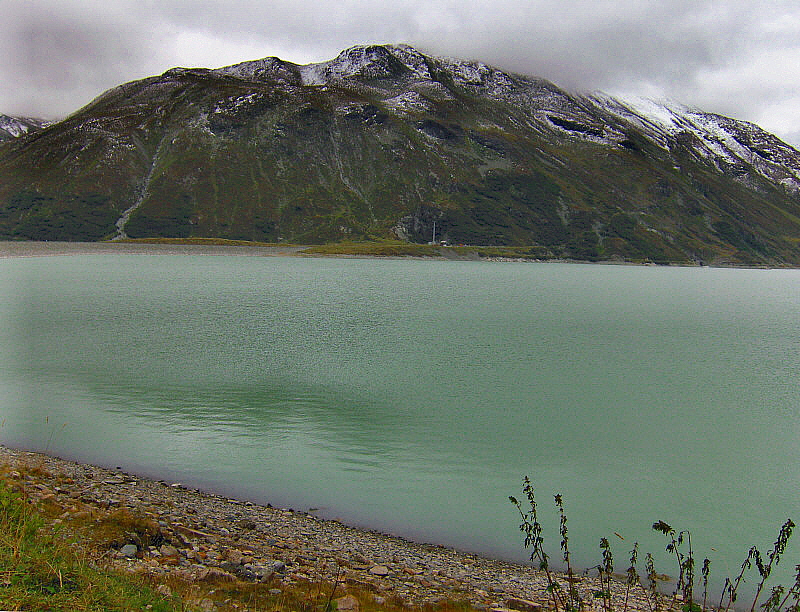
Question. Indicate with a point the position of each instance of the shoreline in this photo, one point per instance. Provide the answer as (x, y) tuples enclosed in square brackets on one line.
[(10, 249), (24, 249), (213, 534)]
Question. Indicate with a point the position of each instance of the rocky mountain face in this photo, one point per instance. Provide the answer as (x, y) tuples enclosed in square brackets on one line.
[(385, 142), (14, 127)]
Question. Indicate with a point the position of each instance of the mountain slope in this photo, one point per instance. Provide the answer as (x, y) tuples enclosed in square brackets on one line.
[(384, 141)]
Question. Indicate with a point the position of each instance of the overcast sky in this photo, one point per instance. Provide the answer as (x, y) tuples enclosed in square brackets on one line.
[(740, 58)]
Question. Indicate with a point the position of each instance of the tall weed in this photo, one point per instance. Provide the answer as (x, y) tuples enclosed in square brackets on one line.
[(565, 597)]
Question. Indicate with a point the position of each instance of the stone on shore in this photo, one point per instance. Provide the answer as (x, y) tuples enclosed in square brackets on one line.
[(523, 605), (168, 551), (348, 603), (129, 550), (215, 574)]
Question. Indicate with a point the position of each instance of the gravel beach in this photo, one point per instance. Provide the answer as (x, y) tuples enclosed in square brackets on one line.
[(40, 249), (205, 534)]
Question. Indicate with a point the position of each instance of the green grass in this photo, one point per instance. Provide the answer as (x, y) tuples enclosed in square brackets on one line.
[(390, 248), (379, 249), (43, 571), (512, 252)]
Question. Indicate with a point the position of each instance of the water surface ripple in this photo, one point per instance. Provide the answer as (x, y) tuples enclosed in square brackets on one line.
[(412, 396)]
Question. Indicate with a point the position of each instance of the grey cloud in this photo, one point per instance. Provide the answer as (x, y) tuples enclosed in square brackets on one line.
[(59, 58), (61, 54)]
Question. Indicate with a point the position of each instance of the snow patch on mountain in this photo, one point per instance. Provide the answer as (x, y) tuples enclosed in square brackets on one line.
[(408, 101), (476, 75), (721, 140), (268, 68), (314, 74), (370, 62), (392, 61), (415, 61), (14, 127)]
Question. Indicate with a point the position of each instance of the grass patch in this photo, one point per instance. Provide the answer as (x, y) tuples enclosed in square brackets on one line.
[(377, 248), (410, 249), (510, 252), (42, 570)]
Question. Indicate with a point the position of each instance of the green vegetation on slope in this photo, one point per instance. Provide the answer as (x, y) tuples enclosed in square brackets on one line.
[(204, 155)]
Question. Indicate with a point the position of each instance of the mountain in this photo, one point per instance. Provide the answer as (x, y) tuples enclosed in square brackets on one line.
[(14, 127), (384, 142)]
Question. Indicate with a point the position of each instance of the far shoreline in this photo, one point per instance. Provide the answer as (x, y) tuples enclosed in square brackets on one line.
[(24, 249), (21, 248)]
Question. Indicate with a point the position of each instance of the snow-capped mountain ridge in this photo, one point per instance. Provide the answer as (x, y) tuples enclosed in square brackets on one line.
[(599, 117), (268, 67), (721, 140), (380, 62), (366, 62)]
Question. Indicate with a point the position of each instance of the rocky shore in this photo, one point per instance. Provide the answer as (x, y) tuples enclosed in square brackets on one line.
[(204, 536)]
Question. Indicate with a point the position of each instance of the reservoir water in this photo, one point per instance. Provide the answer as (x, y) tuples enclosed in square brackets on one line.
[(412, 396)]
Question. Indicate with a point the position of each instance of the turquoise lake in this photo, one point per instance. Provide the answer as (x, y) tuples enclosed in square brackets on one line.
[(412, 396)]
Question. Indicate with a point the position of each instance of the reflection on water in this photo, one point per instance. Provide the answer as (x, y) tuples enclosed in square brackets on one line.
[(412, 396)]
